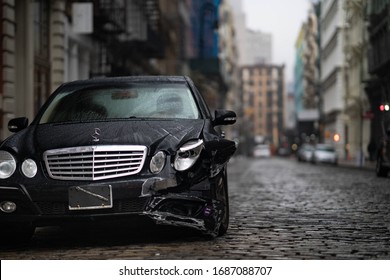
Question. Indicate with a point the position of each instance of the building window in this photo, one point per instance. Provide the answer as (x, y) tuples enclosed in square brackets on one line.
[(41, 86), (269, 99), (41, 28)]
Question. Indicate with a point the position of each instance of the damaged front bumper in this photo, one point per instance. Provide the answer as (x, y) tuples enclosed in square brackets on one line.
[(166, 201)]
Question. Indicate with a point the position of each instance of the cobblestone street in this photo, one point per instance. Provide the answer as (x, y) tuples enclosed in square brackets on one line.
[(280, 209)]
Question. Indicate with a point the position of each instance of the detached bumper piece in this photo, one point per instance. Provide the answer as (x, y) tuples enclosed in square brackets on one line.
[(188, 212)]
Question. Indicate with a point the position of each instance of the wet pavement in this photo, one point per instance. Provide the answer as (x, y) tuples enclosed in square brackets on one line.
[(280, 209)]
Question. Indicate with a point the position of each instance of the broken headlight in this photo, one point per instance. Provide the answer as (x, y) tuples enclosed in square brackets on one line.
[(188, 154)]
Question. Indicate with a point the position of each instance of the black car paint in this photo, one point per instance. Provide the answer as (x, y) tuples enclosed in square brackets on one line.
[(189, 198)]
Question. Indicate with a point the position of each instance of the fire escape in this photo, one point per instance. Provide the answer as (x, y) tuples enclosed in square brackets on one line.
[(128, 34)]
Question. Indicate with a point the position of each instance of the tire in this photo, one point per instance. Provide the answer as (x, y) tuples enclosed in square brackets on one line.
[(380, 170), (20, 234), (224, 198)]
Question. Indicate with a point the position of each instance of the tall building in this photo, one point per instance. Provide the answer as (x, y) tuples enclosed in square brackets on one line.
[(290, 112), (204, 22), (356, 73), (299, 70), (229, 68), (45, 43), (239, 19), (306, 80), (263, 89), (26, 71), (178, 44), (254, 47), (332, 78), (378, 89), (258, 48), (205, 64)]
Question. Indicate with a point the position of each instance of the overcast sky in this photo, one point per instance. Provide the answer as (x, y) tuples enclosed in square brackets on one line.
[(282, 18)]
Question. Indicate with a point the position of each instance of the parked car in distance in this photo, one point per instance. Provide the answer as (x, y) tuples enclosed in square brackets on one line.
[(305, 152), (382, 161), (324, 153), (382, 167), (283, 151), (113, 149), (262, 151)]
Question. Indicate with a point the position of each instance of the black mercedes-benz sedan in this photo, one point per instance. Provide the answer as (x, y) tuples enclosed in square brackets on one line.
[(116, 148)]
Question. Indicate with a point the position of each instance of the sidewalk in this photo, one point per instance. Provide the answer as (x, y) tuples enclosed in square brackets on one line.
[(352, 163), (369, 165)]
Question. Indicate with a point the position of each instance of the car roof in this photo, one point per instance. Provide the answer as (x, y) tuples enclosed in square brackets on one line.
[(125, 79), (325, 145)]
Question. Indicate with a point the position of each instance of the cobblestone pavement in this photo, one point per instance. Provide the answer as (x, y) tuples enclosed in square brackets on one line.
[(280, 209)]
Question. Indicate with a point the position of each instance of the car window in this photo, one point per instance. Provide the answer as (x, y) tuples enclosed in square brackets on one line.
[(325, 148), (306, 147), (167, 101)]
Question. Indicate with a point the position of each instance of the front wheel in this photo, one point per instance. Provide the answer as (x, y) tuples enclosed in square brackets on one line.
[(224, 198), (20, 234), (381, 171)]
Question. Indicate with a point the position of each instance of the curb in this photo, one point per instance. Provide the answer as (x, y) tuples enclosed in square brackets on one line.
[(353, 164)]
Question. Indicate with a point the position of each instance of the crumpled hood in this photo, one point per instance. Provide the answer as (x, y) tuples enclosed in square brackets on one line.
[(166, 135)]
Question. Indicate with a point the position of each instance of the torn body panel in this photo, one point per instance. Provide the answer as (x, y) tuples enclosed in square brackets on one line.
[(186, 211), (188, 200)]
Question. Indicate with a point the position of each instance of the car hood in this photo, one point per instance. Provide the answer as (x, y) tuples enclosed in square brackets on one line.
[(166, 135)]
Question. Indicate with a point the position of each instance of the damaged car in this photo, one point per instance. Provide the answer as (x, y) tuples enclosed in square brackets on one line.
[(108, 148)]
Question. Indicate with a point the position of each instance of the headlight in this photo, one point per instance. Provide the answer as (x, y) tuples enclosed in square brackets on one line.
[(157, 163), (188, 154), (29, 168), (7, 165)]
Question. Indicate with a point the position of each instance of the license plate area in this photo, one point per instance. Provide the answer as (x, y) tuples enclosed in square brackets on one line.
[(90, 197)]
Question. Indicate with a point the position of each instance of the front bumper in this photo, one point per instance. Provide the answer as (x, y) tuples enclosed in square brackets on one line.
[(162, 200)]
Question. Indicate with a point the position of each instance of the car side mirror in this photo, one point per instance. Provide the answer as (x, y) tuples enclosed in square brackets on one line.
[(17, 124), (224, 117)]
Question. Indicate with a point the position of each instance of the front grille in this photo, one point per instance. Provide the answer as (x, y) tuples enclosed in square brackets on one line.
[(92, 163)]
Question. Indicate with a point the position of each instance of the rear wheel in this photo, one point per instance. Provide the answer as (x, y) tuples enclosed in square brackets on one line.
[(381, 171)]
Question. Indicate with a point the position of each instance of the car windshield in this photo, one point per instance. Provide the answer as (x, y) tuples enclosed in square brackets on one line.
[(262, 147), (325, 148), (137, 100), (306, 147)]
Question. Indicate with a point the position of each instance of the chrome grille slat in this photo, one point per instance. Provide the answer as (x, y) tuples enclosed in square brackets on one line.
[(116, 170), (94, 162), (61, 158), (54, 168), (97, 166), (118, 165), (119, 155), (118, 160), (69, 173), (70, 161)]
